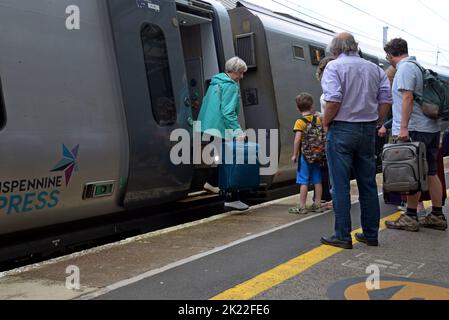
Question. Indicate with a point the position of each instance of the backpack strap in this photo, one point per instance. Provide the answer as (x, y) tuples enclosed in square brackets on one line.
[(301, 117), (417, 97), (418, 65), (313, 122)]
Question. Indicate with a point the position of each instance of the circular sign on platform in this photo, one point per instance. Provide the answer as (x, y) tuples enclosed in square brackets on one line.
[(391, 288)]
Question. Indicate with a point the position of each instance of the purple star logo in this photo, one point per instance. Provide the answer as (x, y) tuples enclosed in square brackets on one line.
[(68, 163)]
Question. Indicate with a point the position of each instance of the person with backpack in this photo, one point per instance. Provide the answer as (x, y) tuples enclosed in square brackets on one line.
[(410, 122), (358, 97), (308, 153)]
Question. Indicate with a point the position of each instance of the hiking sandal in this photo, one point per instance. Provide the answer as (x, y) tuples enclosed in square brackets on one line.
[(298, 210)]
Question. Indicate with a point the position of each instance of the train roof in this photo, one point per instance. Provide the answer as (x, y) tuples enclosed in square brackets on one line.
[(287, 23), (286, 15)]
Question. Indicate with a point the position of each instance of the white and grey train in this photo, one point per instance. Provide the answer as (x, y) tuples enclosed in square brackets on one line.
[(86, 114)]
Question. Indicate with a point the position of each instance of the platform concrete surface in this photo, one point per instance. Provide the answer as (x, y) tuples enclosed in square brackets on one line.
[(410, 266), (109, 264), (222, 256)]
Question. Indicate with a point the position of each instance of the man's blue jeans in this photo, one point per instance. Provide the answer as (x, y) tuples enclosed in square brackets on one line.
[(351, 146)]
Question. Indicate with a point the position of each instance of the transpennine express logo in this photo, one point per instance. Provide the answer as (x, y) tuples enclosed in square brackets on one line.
[(28, 195), (67, 163)]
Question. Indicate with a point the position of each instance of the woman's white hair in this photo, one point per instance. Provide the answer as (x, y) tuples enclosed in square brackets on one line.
[(236, 65)]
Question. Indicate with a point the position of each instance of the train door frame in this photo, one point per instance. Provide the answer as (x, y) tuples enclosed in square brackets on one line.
[(152, 178), (207, 42), (2, 107), (201, 57)]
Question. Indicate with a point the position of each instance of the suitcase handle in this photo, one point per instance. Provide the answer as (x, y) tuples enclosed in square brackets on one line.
[(396, 140), (235, 139)]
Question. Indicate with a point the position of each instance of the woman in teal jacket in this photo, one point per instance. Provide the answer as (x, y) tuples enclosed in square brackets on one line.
[(219, 117)]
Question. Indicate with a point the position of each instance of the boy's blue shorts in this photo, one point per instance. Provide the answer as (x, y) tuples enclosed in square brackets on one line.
[(308, 173)]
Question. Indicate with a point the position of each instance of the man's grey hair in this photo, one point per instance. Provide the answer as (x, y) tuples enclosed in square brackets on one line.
[(343, 43), (236, 65)]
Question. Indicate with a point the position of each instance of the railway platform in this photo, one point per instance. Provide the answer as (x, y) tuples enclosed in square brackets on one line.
[(264, 253)]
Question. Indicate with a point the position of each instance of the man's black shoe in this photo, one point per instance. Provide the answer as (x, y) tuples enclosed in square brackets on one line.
[(360, 237), (335, 242)]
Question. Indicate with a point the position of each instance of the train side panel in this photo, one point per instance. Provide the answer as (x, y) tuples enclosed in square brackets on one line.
[(294, 53), (259, 99), (64, 125), (284, 62)]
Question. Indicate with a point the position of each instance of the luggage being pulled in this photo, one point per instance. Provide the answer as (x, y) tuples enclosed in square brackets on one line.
[(380, 143), (240, 168), (405, 167)]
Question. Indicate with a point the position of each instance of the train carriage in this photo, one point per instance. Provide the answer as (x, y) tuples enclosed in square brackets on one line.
[(86, 114)]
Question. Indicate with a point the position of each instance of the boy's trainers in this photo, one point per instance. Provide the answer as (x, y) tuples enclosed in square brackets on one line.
[(317, 208), (298, 210), (237, 205), (433, 222)]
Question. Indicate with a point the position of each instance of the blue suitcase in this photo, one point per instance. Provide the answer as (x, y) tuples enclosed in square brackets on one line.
[(240, 168)]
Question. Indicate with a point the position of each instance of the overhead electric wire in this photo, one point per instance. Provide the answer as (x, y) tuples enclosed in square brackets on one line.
[(421, 50), (433, 11), (391, 25), (350, 29), (438, 15), (360, 32), (444, 57), (322, 21)]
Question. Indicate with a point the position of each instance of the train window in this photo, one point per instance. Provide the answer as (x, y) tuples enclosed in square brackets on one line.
[(316, 54), (2, 107), (298, 53), (246, 49), (158, 75)]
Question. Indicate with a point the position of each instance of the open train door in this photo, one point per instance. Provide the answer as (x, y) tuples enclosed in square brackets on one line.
[(207, 41), (155, 96)]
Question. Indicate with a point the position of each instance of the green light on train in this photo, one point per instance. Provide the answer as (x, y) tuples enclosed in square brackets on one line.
[(103, 190)]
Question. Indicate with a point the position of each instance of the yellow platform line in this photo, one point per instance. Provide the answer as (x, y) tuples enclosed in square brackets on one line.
[(292, 268), (288, 270)]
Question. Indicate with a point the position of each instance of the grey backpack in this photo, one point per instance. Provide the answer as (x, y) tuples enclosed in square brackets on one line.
[(405, 167)]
